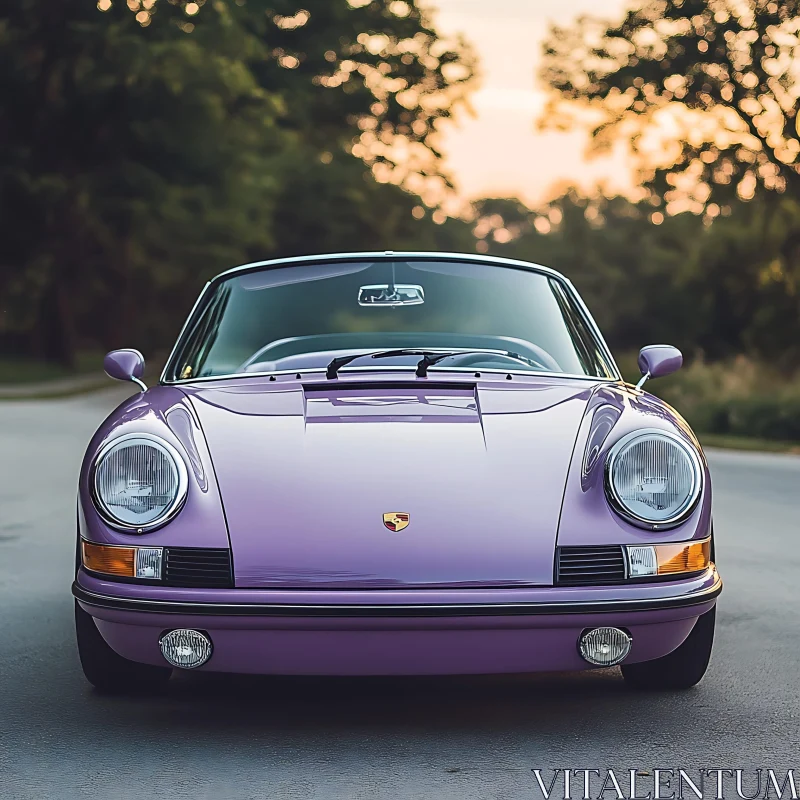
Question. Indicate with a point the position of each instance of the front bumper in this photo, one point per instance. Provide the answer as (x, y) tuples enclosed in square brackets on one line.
[(396, 632)]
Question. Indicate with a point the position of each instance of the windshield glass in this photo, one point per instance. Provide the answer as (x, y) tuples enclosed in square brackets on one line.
[(302, 316)]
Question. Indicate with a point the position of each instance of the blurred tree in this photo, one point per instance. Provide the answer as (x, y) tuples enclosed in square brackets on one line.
[(339, 207), (148, 144), (706, 92), (371, 76), (631, 272), (743, 280), (127, 165)]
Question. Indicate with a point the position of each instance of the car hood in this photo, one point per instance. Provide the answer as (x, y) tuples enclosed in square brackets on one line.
[(307, 473)]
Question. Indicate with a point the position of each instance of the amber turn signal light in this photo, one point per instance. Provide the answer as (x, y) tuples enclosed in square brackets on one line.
[(683, 557), (109, 560), (668, 559)]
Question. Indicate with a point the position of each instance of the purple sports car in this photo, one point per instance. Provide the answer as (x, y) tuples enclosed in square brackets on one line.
[(393, 464)]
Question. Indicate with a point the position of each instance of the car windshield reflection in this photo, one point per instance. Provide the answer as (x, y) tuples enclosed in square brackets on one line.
[(309, 315)]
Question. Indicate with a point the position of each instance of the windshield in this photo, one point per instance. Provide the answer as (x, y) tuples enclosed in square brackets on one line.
[(303, 316)]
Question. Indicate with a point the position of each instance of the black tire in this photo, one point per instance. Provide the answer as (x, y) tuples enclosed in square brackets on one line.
[(680, 669), (108, 672)]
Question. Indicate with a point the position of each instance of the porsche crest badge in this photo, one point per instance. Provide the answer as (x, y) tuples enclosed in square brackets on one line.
[(396, 520)]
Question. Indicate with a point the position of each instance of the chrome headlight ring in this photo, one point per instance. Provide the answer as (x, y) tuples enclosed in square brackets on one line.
[(176, 481), (694, 478)]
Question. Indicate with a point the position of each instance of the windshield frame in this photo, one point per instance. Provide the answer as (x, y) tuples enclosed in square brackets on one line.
[(387, 255)]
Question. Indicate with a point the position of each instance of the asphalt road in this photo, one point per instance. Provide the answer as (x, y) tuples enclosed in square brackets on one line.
[(228, 737)]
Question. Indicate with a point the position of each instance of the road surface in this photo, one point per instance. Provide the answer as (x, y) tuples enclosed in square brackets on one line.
[(226, 737)]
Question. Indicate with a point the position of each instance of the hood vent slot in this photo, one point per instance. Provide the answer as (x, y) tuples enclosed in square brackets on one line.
[(412, 383)]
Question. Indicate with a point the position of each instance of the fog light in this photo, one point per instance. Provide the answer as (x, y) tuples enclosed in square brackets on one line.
[(185, 648), (605, 647)]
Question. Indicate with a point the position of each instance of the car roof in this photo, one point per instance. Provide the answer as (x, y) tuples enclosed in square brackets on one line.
[(386, 255)]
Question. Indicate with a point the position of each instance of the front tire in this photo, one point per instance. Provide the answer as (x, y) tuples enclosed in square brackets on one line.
[(107, 671), (680, 669)]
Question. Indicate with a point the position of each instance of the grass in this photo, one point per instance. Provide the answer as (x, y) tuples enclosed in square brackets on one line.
[(17, 371), (22, 371), (729, 442), (736, 401)]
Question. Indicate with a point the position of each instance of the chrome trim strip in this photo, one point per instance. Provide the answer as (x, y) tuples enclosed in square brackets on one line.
[(399, 610), (409, 370), (184, 328), (388, 254), (384, 255), (593, 326)]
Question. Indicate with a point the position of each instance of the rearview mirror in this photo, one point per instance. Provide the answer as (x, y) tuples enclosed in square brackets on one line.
[(125, 365), (658, 360), (392, 295)]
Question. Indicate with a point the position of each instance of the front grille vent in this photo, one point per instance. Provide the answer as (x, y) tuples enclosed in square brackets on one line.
[(206, 567), (581, 566)]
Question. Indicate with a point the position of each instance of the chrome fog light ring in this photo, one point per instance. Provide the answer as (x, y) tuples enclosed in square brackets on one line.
[(186, 648), (604, 646)]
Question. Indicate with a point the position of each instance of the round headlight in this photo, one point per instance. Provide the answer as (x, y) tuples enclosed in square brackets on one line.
[(139, 482), (653, 478)]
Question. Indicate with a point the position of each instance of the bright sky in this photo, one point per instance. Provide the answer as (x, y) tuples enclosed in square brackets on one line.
[(500, 152)]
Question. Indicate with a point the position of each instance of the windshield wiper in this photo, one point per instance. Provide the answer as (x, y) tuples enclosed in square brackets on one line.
[(429, 358), (434, 358), (341, 361)]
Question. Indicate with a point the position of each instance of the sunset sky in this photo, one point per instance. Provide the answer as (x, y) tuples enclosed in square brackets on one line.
[(500, 152)]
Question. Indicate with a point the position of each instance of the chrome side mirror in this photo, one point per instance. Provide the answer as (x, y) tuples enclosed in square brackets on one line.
[(125, 365), (658, 360)]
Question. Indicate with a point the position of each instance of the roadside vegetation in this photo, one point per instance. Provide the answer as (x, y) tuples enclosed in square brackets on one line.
[(17, 370), (735, 403)]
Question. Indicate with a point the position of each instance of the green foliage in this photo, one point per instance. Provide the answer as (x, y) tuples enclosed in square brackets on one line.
[(130, 164), (737, 397), (17, 371), (706, 93), (713, 290), (719, 76), (152, 144), (149, 145), (374, 75)]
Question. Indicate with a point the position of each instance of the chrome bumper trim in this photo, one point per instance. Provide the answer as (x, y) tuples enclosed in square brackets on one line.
[(395, 610)]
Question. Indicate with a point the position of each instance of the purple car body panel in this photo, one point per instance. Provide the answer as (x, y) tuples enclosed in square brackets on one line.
[(497, 645), (659, 360), (165, 412), (294, 472), (123, 365), (586, 516), (472, 466), (352, 645)]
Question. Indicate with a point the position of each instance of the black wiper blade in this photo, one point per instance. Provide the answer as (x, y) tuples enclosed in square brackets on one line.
[(338, 362), (429, 358), (341, 361), (434, 358)]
